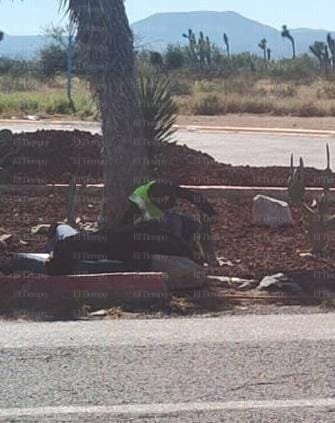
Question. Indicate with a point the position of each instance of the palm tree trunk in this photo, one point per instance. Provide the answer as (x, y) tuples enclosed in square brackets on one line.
[(293, 48), (107, 52)]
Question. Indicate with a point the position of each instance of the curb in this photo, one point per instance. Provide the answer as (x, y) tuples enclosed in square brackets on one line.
[(288, 131), (191, 128), (43, 291)]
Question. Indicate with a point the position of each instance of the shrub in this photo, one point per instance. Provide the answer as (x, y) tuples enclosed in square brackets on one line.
[(59, 106), (210, 105), (174, 57), (180, 88), (311, 109), (53, 60)]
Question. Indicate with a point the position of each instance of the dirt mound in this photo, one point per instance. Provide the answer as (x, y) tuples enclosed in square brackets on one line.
[(53, 156)]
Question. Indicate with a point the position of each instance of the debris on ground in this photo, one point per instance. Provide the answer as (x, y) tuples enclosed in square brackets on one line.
[(279, 281)]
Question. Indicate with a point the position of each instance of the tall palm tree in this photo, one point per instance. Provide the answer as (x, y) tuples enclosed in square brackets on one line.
[(106, 46), (286, 34), (108, 54)]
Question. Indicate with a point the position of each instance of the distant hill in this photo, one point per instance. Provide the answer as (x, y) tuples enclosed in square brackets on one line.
[(158, 30), (22, 46)]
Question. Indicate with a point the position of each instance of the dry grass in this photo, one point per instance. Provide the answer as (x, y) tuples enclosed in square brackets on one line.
[(243, 93), (249, 95)]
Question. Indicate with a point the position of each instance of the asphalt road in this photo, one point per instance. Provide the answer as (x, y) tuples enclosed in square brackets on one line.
[(253, 149), (230, 369)]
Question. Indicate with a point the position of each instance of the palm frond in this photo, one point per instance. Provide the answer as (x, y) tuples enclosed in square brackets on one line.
[(158, 108)]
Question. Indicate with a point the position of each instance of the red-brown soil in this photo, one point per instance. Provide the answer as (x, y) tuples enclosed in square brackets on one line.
[(251, 251)]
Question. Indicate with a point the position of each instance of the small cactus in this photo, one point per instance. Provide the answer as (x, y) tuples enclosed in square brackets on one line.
[(71, 203), (318, 219), (263, 45), (296, 182)]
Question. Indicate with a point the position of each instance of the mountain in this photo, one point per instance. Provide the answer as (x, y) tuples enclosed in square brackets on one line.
[(159, 30), (22, 46)]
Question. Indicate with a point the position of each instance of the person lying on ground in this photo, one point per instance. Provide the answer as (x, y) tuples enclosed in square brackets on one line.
[(134, 245), (155, 202)]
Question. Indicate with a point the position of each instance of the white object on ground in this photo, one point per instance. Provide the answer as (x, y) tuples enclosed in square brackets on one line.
[(271, 212)]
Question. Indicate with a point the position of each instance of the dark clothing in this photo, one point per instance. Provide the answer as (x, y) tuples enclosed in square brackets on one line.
[(135, 245)]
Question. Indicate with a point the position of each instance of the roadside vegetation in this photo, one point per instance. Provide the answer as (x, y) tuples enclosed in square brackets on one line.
[(205, 79)]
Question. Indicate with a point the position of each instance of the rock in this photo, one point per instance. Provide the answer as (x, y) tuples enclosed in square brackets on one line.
[(279, 281), (271, 212), (182, 272)]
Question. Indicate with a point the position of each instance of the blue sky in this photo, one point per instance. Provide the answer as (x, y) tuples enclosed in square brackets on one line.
[(31, 16)]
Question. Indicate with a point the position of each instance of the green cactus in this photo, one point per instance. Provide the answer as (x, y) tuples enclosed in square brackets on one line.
[(321, 52), (192, 45), (269, 51), (331, 45), (208, 51), (227, 44), (202, 50), (263, 45), (318, 220), (286, 34), (296, 182)]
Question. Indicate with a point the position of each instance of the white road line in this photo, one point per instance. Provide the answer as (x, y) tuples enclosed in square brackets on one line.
[(169, 408)]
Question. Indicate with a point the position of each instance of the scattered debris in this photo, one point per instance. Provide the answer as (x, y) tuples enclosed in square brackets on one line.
[(223, 261), (31, 117), (5, 237), (279, 281), (247, 286), (306, 255), (40, 229), (231, 282), (99, 313)]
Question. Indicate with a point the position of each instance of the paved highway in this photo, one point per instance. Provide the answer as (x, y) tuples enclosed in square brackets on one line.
[(231, 369), (236, 148)]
